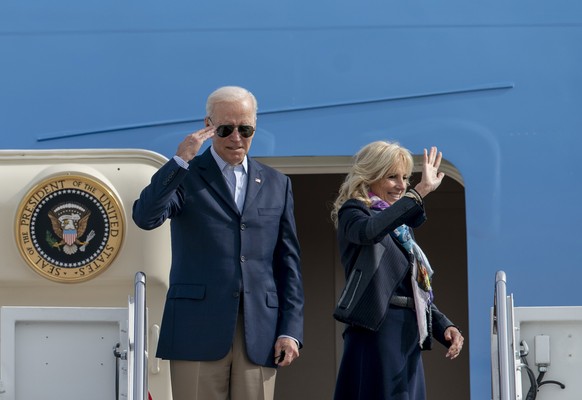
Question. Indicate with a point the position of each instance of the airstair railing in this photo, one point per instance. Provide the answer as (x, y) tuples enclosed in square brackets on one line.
[(501, 328), (140, 382)]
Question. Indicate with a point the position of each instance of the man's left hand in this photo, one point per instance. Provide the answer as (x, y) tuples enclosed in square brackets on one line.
[(286, 351)]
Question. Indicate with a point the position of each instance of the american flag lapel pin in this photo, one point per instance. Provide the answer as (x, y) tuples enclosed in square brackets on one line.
[(258, 180)]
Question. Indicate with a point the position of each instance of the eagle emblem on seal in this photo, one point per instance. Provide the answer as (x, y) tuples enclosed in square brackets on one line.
[(69, 223)]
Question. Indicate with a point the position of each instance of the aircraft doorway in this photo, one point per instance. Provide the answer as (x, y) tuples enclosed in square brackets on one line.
[(443, 238)]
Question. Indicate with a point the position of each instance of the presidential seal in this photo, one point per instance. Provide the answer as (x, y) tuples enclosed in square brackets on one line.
[(69, 228)]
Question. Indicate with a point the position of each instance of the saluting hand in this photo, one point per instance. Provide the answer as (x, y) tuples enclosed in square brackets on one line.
[(191, 144)]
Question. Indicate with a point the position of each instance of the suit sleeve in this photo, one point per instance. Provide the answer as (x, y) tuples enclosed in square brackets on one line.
[(359, 225), (287, 271), (162, 198), (440, 323)]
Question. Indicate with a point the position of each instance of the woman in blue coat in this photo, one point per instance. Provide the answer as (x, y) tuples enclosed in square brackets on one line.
[(376, 207)]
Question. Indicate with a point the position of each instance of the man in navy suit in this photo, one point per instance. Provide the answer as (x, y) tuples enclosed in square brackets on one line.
[(234, 308)]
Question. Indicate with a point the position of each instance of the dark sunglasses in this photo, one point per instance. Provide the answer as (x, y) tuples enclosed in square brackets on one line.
[(245, 131)]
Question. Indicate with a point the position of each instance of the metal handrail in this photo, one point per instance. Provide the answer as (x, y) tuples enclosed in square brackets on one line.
[(140, 359), (501, 325)]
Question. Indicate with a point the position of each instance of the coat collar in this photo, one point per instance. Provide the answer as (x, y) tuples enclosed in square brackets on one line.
[(210, 172)]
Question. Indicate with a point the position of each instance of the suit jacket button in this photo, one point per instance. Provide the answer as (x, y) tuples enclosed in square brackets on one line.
[(242, 227), (243, 258), (235, 294)]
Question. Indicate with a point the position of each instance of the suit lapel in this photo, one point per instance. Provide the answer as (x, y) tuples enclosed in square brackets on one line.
[(255, 182), (209, 171)]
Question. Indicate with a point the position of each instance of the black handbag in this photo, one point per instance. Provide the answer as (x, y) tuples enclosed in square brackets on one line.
[(363, 301)]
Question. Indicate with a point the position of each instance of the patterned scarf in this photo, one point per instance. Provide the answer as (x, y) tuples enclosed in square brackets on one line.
[(421, 270)]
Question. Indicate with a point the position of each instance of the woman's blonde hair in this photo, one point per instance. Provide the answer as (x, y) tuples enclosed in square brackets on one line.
[(372, 163)]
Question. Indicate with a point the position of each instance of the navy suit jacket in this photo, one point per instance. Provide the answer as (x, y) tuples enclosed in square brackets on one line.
[(221, 256), (358, 226)]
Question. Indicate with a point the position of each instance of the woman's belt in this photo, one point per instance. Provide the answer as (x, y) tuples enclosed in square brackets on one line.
[(402, 301)]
